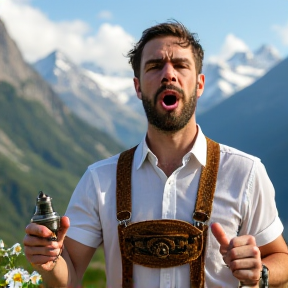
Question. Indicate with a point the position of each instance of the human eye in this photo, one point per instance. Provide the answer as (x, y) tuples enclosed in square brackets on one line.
[(153, 66), (181, 65)]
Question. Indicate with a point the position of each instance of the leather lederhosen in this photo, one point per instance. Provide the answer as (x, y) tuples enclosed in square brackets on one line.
[(165, 243)]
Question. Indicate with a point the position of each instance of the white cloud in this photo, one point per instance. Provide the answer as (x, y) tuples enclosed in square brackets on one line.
[(231, 45), (282, 32), (36, 36), (115, 43), (105, 14)]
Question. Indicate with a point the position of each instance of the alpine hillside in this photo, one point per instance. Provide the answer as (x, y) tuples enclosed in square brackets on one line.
[(43, 145)]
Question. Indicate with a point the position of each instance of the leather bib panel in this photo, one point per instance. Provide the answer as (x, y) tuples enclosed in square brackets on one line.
[(161, 243), (165, 243)]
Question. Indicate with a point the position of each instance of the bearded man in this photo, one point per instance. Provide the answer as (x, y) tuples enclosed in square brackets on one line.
[(178, 210)]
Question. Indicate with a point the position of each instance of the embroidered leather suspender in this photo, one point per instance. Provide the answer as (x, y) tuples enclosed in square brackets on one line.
[(165, 243)]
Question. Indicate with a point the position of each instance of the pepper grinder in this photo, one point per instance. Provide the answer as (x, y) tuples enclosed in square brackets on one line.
[(45, 215)]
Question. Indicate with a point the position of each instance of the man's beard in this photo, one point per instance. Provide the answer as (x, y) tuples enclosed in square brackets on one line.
[(169, 121)]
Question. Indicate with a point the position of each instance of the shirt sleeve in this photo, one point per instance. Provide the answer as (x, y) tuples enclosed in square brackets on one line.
[(262, 218), (85, 225)]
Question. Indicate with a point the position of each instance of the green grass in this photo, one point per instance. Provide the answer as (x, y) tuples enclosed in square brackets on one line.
[(95, 274)]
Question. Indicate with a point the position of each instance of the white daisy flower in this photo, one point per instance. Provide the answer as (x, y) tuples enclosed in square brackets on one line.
[(16, 277), (35, 278), (16, 249), (1, 244)]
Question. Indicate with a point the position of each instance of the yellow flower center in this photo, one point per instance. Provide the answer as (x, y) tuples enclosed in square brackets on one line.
[(34, 279), (17, 277), (18, 249)]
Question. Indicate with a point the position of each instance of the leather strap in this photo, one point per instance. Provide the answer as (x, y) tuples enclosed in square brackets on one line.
[(123, 188), (202, 212), (123, 193), (203, 206), (207, 183)]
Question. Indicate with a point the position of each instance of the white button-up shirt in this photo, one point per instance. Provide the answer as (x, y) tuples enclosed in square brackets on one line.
[(243, 204)]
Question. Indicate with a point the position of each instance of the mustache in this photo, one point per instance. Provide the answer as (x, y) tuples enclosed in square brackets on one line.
[(167, 87)]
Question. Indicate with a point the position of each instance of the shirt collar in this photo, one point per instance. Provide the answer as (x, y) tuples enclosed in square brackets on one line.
[(199, 150), (141, 153)]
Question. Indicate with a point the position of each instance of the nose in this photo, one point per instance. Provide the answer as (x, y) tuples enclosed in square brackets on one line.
[(168, 74)]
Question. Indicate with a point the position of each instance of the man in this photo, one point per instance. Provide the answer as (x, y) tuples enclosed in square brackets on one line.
[(166, 169)]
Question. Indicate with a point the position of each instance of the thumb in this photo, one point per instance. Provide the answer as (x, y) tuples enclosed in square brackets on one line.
[(64, 225), (220, 235)]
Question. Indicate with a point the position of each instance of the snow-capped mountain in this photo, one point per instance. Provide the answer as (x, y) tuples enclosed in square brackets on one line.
[(104, 102), (109, 102), (224, 78), (121, 86)]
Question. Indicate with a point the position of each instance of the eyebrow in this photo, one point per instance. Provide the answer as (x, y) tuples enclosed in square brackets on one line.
[(173, 60)]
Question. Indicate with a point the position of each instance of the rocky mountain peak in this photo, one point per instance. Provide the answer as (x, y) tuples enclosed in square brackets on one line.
[(55, 65), (15, 71), (240, 58), (224, 79), (266, 57)]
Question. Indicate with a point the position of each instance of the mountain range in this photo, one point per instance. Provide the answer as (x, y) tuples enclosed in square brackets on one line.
[(225, 78), (86, 90), (43, 145), (105, 102)]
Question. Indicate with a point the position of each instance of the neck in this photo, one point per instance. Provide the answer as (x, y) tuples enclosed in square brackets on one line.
[(170, 148)]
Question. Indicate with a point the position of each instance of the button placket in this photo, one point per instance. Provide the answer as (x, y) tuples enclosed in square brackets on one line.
[(169, 199), (167, 275)]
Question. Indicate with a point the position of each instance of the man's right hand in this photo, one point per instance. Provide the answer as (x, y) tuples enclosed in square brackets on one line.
[(40, 251)]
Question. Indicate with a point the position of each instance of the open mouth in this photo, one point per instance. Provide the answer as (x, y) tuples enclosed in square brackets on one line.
[(170, 100)]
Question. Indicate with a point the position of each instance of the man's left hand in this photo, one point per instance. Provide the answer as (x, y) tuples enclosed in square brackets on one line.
[(241, 255)]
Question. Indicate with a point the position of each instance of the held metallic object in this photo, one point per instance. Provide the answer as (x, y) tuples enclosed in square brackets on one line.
[(45, 215), (264, 280)]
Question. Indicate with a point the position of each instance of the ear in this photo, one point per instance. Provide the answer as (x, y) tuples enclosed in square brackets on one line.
[(137, 87), (200, 85)]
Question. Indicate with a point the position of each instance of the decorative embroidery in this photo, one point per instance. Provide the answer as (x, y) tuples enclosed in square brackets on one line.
[(165, 243)]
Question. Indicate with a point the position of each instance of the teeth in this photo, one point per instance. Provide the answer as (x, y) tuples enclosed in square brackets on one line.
[(169, 100)]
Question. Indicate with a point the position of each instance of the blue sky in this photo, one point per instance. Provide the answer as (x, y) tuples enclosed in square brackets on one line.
[(98, 30)]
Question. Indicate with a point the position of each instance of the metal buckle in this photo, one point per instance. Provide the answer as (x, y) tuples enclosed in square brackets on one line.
[(200, 218), (124, 217)]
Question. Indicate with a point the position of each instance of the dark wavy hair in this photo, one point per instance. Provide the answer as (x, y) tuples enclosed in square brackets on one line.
[(170, 28)]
